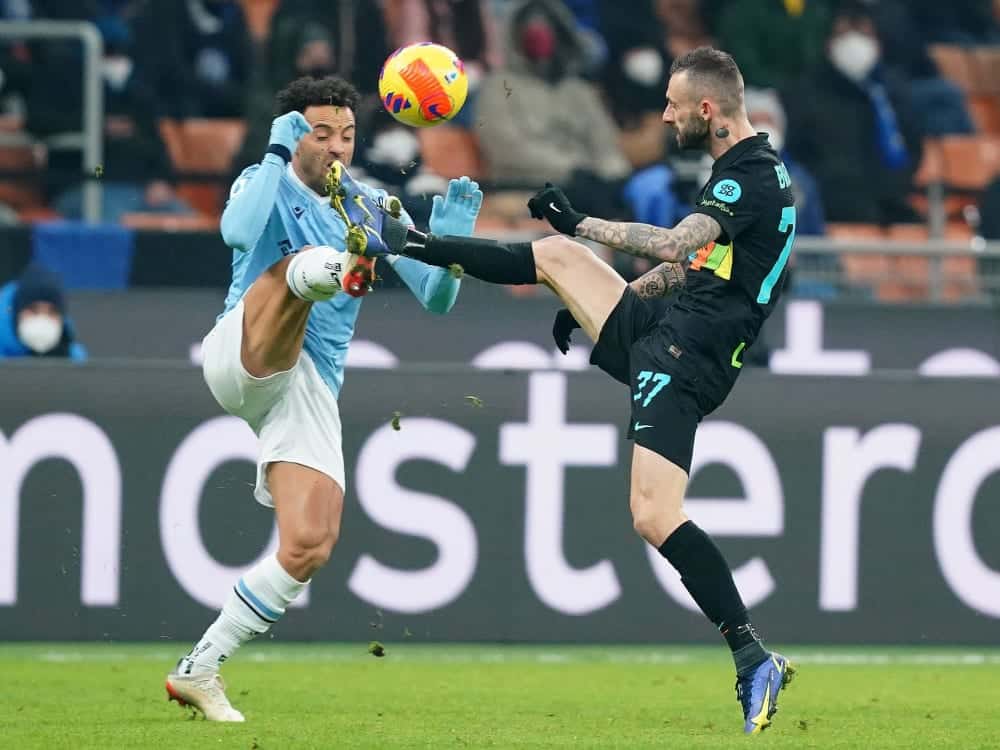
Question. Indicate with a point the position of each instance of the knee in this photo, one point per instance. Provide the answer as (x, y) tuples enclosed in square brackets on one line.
[(646, 521), (653, 519), (307, 550), (557, 251)]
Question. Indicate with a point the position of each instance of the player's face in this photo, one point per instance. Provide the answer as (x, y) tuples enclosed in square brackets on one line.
[(331, 139), (684, 114)]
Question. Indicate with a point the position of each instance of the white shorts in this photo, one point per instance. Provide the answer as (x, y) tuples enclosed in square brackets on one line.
[(294, 413)]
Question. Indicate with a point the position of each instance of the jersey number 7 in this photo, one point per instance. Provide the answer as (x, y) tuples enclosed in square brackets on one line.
[(785, 226)]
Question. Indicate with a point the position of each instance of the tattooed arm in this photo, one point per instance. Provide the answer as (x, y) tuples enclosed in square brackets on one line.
[(647, 241), (661, 281)]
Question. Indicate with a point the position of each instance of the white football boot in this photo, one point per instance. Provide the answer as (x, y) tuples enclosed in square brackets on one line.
[(206, 692)]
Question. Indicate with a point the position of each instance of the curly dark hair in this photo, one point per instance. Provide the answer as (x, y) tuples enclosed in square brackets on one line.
[(313, 92)]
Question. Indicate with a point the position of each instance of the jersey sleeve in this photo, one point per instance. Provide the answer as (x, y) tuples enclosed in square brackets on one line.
[(251, 200), (732, 198)]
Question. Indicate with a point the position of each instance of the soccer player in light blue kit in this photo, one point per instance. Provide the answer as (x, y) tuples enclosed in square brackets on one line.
[(276, 355)]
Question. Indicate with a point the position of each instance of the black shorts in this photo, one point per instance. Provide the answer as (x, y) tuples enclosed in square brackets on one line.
[(666, 406)]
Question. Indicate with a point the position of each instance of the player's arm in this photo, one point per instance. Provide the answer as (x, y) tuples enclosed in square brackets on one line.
[(252, 197), (657, 243), (642, 240), (455, 214), (436, 288), (665, 279)]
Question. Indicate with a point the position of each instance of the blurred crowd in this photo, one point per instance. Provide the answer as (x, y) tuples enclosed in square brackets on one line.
[(569, 91)]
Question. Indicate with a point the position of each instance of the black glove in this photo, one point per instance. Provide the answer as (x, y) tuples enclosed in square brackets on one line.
[(562, 327), (552, 204)]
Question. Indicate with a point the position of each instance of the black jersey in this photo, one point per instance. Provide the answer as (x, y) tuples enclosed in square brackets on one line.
[(734, 282)]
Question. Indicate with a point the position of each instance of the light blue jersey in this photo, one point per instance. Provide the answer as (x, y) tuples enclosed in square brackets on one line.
[(271, 213)]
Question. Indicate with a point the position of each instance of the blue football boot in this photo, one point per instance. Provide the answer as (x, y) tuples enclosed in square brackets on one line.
[(364, 216), (758, 692)]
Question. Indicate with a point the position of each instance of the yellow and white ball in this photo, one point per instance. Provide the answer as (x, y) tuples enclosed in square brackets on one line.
[(423, 84)]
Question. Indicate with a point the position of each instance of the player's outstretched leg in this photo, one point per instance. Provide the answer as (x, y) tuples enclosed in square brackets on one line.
[(656, 502), (588, 286)]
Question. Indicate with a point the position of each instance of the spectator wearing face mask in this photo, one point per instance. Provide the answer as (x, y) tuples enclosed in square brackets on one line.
[(539, 120), (33, 320), (850, 123)]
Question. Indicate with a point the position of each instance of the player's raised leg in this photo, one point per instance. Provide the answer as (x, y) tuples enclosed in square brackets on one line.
[(588, 286)]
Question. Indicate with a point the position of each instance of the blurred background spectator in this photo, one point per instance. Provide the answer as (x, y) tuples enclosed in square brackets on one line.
[(198, 56), (886, 112), (768, 116), (774, 40), (539, 120), (850, 123), (136, 169), (33, 318)]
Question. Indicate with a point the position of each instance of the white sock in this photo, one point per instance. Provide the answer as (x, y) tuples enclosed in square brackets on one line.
[(315, 275), (256, 602)]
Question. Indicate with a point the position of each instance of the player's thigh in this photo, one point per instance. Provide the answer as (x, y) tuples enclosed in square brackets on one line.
[(301, 436), (238, 391), (308, 504), (656, 499), (590, 287), (274, 322), (664, 419)]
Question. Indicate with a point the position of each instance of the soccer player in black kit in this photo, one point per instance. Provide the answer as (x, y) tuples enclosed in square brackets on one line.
[(725, 265)]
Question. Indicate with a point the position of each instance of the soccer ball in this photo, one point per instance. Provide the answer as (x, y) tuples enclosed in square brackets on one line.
[(423, 84)]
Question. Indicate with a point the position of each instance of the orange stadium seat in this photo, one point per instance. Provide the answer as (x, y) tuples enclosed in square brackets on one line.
[(170, 222), (986, 64), (985, 112), (956, 64), (203, 146), (258, 14), (970, 162), (861, 269), (22, 193)]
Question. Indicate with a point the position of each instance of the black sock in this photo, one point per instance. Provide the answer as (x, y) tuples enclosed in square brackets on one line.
[(706, 575), (489, 260)]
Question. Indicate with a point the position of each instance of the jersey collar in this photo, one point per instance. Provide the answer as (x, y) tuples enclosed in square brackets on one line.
[(736, 152)]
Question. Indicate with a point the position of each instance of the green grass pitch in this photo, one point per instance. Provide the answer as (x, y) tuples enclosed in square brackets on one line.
[(458, 696)]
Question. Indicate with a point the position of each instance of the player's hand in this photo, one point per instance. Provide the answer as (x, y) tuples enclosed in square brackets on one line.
[(288, 129), (562, 328), (551, 203), (457, 211)]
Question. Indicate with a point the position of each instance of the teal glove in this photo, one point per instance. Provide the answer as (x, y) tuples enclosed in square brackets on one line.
[(456, 213), (288, 129)]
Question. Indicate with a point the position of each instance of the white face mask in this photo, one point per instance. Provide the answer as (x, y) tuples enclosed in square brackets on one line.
[(116, 71), (854, 54), (775, 137), (644, 66), (40, 333)]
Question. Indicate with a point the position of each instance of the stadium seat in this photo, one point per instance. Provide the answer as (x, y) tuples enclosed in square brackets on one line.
[(866, 270), (985, 111), (451, 151), (203, 147), (956, 64), (931, 164), (986, 65), (209, 145), (170, 222), (970, 162), (258, 15), (21, 192)]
